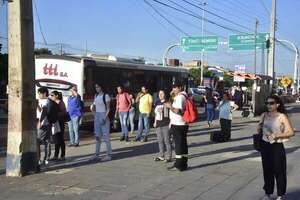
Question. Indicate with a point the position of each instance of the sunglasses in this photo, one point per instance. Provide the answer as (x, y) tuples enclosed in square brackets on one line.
[(270, 103)]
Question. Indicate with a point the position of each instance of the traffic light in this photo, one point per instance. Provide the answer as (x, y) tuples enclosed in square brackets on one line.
[(268, 44)]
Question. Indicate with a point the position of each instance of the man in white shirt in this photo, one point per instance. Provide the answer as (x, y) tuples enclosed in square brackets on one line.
[(179, 127)]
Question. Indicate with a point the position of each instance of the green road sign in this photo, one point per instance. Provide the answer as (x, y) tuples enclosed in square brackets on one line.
[(194, 44), (247, 41)]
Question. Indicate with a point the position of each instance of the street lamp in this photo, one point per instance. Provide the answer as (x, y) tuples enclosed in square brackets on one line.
[(295, 83), (202, 34)]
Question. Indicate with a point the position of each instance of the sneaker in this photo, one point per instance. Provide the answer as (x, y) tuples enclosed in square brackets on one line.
[(76, 145), (45, 162), (62, 159), (94, 158), (137, 139), (127, 139), (145, 139), (280, 198), (266, 197), (159, 158), (106, 158), (70, 145), (122, 138)]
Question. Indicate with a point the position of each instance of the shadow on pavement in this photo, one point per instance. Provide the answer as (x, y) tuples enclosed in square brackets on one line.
[(210, 142), (207, 131), (293, 194), (233, 149)]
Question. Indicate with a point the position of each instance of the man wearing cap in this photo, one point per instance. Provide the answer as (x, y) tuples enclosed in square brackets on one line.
[(179, 127)]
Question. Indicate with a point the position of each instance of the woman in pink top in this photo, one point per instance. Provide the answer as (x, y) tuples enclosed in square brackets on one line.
[(123, 104)]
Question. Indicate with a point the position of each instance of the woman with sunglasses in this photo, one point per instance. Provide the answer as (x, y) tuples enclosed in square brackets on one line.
[(59, 139), (276, 129)]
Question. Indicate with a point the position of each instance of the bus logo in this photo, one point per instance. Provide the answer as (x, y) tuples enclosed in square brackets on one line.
[(52, 70)]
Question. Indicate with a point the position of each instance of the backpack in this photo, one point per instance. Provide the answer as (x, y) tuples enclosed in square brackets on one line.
[(190, 111), (52, 111)]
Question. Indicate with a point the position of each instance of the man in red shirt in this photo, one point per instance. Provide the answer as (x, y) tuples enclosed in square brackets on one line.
[(123, 104)]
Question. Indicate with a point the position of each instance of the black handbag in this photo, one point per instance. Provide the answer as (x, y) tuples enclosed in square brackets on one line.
[(257, 139)]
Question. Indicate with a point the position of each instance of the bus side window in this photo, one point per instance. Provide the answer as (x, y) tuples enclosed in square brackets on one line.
[(88, 81)]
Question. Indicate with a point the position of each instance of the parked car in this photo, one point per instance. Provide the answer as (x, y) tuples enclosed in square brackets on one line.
[(197, 95)]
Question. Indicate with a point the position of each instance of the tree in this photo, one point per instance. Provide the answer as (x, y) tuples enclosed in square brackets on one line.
[(42, 51), (195, 73)]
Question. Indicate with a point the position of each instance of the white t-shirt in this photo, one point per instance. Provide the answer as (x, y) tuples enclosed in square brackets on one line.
[(179, 103), (225, 110), (98, 102)]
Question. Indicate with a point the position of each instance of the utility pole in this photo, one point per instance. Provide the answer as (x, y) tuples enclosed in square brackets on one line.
[(271, 59), (255, 35), (21, 140), (202, 52), (61, 49)]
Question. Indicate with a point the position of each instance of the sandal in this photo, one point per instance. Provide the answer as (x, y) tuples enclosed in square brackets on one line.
[(159, 159)]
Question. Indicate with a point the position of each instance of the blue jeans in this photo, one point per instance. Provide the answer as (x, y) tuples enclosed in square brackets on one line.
[(74, 130), (123, 119), (210, 111), (102, 129), (143, 124), (130, 119)]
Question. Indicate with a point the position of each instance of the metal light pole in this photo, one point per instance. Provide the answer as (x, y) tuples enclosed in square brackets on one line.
[(255, 35), (202, 52), (165, 58), (295, 83), (271, 52)]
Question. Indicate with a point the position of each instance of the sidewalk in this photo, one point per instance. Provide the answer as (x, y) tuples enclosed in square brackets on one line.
[(221, 171)]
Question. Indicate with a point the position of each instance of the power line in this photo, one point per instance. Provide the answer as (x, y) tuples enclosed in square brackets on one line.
[(161, 15), (232, 14), (157, 20), (39, 22), (245, 7), (190, 13), (232, 8), (265, 7), (193, 25), (216, 15)]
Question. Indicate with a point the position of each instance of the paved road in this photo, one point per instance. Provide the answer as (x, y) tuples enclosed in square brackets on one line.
[(229, 170)]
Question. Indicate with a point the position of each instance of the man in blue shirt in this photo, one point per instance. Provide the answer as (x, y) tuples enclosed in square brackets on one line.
[(75, 112)]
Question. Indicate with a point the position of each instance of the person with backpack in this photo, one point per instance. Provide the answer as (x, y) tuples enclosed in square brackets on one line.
[(123, 105), (145, 101), (226, 107), (101, 108), (75, 111), (47, 114), (161, 123), (179, 119)]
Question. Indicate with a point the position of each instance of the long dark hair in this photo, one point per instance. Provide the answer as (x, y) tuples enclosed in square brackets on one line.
[(281, 107)]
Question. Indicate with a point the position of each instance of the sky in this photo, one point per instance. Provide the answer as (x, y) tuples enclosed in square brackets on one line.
[(132, 28)]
